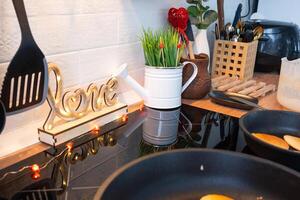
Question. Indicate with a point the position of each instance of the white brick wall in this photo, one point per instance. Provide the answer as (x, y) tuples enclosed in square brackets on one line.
[(87, 38)]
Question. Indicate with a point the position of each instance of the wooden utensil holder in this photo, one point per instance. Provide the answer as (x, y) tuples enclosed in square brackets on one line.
[(234, 59)]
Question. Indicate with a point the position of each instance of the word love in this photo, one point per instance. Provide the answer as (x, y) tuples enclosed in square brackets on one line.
[(76, 104)]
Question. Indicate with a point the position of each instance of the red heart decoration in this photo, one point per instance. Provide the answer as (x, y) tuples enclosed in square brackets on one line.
[(178, 18)]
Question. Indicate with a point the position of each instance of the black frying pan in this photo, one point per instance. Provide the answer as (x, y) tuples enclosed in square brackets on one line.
[(278, 123), (192, 173)]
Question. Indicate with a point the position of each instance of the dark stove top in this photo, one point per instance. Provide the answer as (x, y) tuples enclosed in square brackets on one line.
[(79, 174)]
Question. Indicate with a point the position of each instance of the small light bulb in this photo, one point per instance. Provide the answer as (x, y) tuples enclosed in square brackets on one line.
[(35, 175), (141, 107), (96, 129), (69, 146), (49, 127), (124, 118), (35, 168)]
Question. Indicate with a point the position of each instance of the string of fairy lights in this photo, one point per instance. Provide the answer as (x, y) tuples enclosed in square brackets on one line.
[(35, 168)]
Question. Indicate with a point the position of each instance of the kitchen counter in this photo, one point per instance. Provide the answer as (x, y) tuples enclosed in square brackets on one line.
[(268, 102)]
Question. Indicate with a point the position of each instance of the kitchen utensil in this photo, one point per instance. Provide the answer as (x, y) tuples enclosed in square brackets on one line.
[(258, 32), (2, 116), (191, 174), (246, 102), (229, 30), (220, 6), (223, 35), (248, 36), (237, 15), (26, 81), (217, 33), (190, 35), (240, 25), (235, 38), (228, 99), (277, 123)]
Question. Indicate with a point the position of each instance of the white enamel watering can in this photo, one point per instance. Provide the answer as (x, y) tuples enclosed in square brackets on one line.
[(163, 85)]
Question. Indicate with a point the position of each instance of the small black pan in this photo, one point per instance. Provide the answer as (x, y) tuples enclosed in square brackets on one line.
[(228, 99), (277, 123)]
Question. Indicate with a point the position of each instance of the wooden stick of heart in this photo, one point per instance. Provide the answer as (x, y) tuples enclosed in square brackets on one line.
[(190, 35), (191, 51)]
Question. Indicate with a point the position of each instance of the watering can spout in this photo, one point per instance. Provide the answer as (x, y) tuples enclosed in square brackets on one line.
[(122, 72)]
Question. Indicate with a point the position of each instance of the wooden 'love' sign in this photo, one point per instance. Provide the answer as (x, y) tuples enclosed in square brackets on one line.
[(77, 112)]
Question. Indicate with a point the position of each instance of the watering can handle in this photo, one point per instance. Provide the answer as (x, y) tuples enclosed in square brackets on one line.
[(192, 77)]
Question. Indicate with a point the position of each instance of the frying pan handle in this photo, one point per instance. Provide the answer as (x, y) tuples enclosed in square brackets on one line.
[(22, 18)]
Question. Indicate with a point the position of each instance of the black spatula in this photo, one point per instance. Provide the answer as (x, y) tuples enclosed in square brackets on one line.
[(26, 81)]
